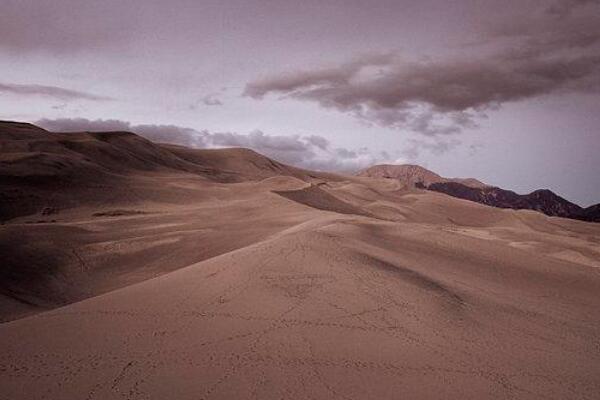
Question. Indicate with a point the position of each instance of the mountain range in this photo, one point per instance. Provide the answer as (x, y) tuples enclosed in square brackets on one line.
[(542, 200)]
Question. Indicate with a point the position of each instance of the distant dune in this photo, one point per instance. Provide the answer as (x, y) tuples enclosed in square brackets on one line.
[(137, 270), (40, 170), (411, 175)]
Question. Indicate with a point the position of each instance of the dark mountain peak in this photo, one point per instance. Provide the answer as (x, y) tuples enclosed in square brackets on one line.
[(550, 203), (542, 200), (592, 213), (543, 193)]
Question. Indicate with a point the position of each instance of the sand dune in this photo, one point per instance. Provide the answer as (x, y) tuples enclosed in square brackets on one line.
[(222, 274)]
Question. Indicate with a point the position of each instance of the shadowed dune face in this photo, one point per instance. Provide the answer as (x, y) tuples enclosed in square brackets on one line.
[(29, 268), (315, 197), (412, 277), (158, 272)]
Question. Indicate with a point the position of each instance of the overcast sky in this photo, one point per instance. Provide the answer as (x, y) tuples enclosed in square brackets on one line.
[(507, 92)]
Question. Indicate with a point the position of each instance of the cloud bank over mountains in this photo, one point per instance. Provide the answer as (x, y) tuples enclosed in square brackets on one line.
[(311, 151)]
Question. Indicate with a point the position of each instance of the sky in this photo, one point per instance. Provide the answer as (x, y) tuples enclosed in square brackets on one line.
[(507, 92)]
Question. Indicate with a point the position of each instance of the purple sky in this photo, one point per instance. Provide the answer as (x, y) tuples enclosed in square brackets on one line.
[(503, 91)]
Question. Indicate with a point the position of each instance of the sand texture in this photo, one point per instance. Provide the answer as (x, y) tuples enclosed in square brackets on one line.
[(225, 275)]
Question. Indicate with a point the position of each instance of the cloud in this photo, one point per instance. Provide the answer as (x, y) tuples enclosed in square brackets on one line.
[(156, 133), (318, 141), (49, 91), (435, 97), (311, 152), (211, 100), (169, 134), (446, 95), (83, 124)]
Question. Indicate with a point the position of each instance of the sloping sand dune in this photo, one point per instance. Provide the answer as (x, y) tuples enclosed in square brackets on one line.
[(342, 306), (314, 196), (283, 283)]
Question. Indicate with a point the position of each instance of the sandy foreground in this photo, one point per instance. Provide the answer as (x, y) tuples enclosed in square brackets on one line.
[(282, 289)]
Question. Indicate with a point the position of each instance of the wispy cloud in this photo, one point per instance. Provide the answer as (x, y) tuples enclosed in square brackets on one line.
[(49, 91), (211, 100)]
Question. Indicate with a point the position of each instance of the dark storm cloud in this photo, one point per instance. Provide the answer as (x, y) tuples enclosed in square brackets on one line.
[(414, 95), (49, 91), (312, 152), (556, 52)]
